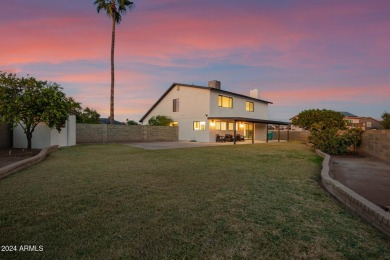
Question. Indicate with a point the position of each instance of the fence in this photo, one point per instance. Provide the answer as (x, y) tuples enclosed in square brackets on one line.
[(293, 135), (376, 143), (103, 133), (5, 136)]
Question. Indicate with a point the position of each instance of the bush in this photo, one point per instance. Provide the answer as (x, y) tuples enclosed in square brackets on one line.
[(160, 120), (334, 141)]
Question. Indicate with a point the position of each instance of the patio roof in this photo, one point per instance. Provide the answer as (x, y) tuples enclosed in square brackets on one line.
[(251, 120)]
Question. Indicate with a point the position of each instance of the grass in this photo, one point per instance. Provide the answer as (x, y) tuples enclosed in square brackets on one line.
[(116, 201)]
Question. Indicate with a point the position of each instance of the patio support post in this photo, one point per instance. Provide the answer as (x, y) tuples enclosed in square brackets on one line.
[(234, 131), (253, 132), (266, 134), (279, 134)]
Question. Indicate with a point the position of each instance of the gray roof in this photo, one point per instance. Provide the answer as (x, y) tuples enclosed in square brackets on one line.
[(347, 113)]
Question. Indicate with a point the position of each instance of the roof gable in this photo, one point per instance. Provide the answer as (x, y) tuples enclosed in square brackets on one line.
[(200, 87)]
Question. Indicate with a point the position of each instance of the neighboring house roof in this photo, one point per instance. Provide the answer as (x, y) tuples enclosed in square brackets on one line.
[(107, 121), (348, 114), (201, 87)]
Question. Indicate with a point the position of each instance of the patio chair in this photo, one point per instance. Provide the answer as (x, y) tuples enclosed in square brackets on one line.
[(240, 137), (229, 138), (220, 138)]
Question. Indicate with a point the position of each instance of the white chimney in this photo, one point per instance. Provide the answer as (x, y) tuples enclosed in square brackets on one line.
[(215, 84), (254, 93)]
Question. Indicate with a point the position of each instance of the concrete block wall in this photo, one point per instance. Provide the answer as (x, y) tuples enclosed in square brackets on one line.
[(376, 143), (5, 136), (101, 133), (293, 135)]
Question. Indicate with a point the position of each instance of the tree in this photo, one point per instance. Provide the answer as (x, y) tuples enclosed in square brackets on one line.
[(88, 116), (160, 120), (385, 120), (114, 10), (131, 122), (28, 101), (319, 119)]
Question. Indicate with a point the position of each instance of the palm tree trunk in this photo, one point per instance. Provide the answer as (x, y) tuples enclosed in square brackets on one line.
[(112, 72)]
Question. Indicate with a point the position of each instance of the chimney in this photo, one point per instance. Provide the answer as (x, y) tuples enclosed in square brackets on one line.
[(215, 84), (254, 93)]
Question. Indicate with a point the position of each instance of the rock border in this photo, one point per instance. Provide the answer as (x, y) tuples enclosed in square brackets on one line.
[(12, 168), (375, 215)]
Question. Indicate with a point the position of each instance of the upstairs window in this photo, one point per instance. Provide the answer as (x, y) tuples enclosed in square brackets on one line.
[(249, 106), (176, 105), (224, 101)]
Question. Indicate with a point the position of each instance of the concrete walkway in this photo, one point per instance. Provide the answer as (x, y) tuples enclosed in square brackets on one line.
[(368, 177)]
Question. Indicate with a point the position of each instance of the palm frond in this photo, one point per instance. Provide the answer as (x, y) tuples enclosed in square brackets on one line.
[(120, 7)]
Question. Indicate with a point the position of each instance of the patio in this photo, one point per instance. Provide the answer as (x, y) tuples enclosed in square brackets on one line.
[(189, 144)]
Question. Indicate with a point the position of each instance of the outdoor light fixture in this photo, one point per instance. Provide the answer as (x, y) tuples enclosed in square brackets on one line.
[(241, 124), (212, 123)]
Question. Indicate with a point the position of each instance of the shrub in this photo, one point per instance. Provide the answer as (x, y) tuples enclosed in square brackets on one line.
[(334, 141)]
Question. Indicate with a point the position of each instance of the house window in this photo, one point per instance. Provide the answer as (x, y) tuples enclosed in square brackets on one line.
[(217, 125), (231, 126), (249, 106), (176, 105), (223, 126), (224, 101), (199, 125), (368, 124)]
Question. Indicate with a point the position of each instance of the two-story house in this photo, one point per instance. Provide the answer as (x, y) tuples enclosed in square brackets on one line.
[(202, 113)]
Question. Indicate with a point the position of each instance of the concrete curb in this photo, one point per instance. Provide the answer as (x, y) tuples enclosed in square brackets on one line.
[(364, 208), (12, 168)]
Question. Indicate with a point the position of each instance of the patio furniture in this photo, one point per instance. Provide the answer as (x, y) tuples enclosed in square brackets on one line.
[(240, 137), (229, 138), (220, 138)]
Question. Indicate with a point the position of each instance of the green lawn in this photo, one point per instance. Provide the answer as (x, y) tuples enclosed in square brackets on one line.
[(116, 201)]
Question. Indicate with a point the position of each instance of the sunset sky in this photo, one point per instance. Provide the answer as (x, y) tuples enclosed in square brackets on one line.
[(300, 54)]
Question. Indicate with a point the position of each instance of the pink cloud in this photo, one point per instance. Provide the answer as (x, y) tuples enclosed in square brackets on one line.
[(306, 94)]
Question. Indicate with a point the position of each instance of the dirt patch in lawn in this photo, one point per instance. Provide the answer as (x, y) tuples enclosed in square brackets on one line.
[(12, 155)]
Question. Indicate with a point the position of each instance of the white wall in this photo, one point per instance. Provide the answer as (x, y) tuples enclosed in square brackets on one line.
[(194, 105), (197, 104), (261, 132), (44, 137), (238, 110)]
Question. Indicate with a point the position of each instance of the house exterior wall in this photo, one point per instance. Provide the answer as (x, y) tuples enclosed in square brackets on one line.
[(370, 123), (261, 132), (194, 105), (238, 110), (197, 104), (43, 136)]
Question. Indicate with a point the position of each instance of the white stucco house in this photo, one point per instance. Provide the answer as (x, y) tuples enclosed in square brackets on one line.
[(202, 113)]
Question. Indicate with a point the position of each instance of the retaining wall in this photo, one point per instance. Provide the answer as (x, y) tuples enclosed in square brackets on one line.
[(293, 135), (5, 135), (102, 133), (366, 209), (376, 143), (12, 168)]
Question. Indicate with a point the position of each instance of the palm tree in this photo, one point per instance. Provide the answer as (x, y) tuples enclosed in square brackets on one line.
[(114, 10)]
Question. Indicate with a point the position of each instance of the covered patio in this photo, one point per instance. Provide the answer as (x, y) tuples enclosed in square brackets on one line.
[(245, 127)]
